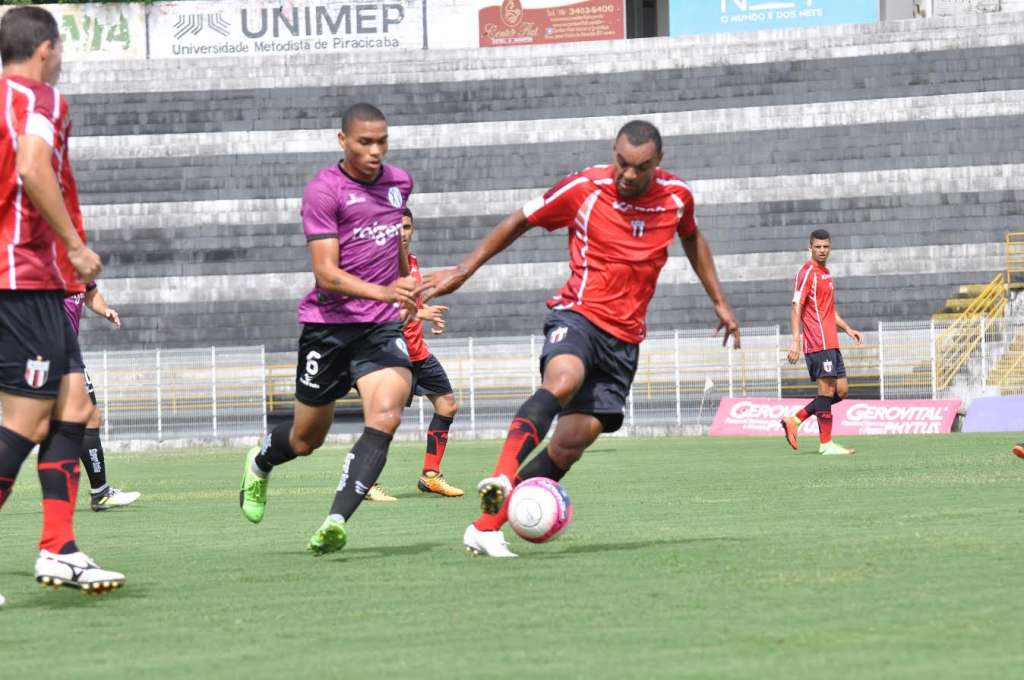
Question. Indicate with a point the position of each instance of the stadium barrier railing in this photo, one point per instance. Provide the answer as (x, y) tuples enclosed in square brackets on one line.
[(227, 392)]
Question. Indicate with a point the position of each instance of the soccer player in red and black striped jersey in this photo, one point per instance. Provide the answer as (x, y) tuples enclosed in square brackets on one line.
[(42, 384), (620, 220), (814, 311), (429, 377)]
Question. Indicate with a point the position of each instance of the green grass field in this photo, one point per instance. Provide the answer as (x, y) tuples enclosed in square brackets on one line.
[(701, 557)]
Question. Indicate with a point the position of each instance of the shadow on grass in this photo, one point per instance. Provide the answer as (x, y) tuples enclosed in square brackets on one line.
[(70, 598), (373, 552), (627, 547)]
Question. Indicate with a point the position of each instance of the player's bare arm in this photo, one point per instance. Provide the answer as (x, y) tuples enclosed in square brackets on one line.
[(793, 355), (446, 281), (95, 301), (329, 276), (848, 329), (34, 167), (703, 262)]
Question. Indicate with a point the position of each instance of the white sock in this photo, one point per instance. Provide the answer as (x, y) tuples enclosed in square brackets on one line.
[(257, 471), (336, 518)]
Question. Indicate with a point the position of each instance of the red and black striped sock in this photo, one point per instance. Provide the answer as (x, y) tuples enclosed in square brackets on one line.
[(528, 429), (437, 440), (58, 475)]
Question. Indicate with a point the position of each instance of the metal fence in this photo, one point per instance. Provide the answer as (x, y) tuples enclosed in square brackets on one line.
[(226, 392), (159, 395), (989, 352)]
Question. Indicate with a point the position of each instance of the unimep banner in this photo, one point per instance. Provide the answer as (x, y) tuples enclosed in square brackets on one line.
[(95, 32), (693, 17), (266, 27), (507, 23), (760, 416)]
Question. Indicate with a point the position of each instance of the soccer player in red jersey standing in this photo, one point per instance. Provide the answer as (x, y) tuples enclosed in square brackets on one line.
[(42, 385), (428, 373), (620, 219), (814, 310)]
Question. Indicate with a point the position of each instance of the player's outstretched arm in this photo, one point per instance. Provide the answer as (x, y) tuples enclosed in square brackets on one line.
[(446, 281), (95, 301), (848, 329), (34, 167), (703, 263), (329, 276)]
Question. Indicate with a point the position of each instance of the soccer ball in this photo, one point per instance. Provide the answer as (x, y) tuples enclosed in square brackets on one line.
[(539, 509)]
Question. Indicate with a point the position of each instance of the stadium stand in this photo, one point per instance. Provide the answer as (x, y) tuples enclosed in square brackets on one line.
[(904, 139)]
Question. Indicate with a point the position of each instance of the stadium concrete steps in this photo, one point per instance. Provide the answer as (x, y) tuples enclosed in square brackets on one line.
[(765, 175), (1008, 373)]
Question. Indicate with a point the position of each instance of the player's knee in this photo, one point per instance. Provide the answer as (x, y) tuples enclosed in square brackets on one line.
[(841, 392), (38, 432), (447, 407), (305, 443), (385, 420), (564, 456)]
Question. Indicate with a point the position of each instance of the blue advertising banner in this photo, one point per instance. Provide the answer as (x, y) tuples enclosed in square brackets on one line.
[(692, 17)]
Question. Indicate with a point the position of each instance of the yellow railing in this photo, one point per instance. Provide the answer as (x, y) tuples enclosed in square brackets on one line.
[(1015, 259), (1008, 373), (954, 346)]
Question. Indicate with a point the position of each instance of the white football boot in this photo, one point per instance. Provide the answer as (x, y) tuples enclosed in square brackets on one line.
[(494, 491), (113, 498), (76, 570), (490, 543), (3, 600)]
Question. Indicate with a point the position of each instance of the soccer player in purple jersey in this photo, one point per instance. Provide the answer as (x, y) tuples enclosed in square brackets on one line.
[(102, 495), (351, 334)]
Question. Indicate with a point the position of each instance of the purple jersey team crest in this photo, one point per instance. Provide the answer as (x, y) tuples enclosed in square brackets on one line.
[(366, 218)]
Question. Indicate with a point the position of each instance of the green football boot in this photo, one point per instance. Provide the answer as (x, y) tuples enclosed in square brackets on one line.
[(253, 496), (330, 537)]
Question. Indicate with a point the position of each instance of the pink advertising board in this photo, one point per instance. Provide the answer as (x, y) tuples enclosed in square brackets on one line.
[(759, 416)]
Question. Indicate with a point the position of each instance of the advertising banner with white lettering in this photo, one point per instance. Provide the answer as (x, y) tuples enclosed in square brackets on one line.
[(266, 27), (755, 416), (509, 23), (692, 17), (94, 32)]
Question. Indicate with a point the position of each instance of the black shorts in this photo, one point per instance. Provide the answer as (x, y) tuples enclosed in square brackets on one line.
[(332, 357), (37, 344), (828, 363), (429, 378), (89, 387), (610, 364)]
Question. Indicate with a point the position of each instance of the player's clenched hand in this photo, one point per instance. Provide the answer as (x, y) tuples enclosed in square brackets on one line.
[(793, 355), (403, 291), (443, 281), (727, 320), (855, 334), (86, 263)]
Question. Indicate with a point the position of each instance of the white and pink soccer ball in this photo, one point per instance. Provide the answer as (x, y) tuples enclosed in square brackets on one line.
[(539, 509)]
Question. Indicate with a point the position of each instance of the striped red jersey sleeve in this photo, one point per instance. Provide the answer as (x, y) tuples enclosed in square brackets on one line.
[(558, 206), (28, 244)]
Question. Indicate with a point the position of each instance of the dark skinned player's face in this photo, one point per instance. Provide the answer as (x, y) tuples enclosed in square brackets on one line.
[(634, 166), (365, 145)]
